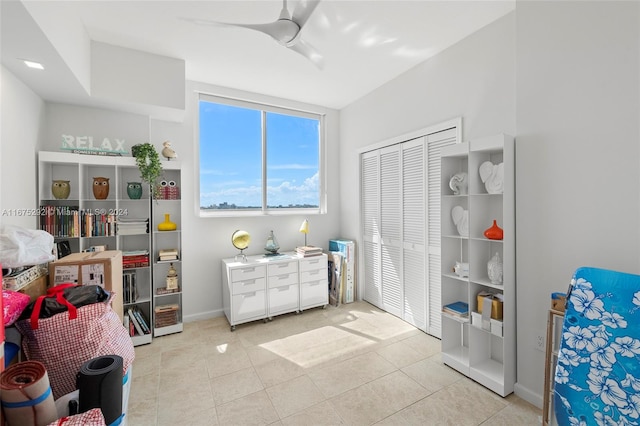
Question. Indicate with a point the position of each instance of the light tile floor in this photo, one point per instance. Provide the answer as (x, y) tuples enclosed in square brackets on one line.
[(351, 365)]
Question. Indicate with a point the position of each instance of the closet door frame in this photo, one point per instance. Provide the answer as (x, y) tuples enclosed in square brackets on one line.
[(377, 240)]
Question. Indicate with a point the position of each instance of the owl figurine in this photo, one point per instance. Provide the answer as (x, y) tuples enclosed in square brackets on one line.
[(134, 190), (100, 188), (167, 151), (60, 189)]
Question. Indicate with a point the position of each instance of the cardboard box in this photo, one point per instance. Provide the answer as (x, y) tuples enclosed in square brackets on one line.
[(496, 304), (102, 268), (35, 288), (558, 301)]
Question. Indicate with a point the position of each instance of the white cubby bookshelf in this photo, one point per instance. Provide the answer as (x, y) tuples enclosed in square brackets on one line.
[(163, 240), (485, 356), (80, 170)]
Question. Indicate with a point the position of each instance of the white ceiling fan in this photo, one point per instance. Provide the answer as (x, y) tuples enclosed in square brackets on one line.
[(286, 30)]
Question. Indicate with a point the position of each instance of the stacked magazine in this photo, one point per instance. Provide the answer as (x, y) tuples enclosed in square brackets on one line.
[(307, 251), (457, 309), (132, 226)]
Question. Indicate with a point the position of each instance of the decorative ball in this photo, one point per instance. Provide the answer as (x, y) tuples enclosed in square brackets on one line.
[(60, 189)]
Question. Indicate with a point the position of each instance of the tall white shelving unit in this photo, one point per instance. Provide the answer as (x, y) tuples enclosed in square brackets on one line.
[(485, 356), (64, 217), (80, 170), (163, 240)]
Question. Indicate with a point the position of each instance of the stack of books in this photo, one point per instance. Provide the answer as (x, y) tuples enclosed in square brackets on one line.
[(132, 226), (135, 259), (307, 251), (139, 321), (457, 309), (168, 254)]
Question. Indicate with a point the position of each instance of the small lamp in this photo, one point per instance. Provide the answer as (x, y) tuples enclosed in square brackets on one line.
[(304, 228)]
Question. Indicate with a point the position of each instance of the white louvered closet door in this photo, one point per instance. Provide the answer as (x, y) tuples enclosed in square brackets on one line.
[(400, 212), (414, 233), (370, 207), (390, 244), (435, 142)]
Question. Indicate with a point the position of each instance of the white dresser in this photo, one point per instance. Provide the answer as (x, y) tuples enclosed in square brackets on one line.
[(261, 287)]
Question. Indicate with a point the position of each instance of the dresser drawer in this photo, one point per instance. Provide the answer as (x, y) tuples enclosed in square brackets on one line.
[(283, 299), (282, 268), (314, 293), (313, 275), (248, 285), (247, 273), (249, 305), (284, 279), (311, 263)]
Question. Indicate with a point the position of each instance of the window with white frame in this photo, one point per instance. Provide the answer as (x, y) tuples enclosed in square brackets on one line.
[(258, 158)]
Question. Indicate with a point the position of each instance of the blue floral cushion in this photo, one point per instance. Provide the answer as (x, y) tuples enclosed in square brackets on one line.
[(597, 378)]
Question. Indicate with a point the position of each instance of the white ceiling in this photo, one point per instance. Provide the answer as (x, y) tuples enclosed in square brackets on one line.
[(364, 43)]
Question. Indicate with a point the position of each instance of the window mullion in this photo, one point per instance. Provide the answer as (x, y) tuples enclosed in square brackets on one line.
[(264, 160)]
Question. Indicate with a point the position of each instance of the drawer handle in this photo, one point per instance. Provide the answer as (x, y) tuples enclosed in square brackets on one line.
[(316, 272), (283, 288), (283, 277), (252, 294), (249, 282), (313, 284), (248, 270), (283, 265)]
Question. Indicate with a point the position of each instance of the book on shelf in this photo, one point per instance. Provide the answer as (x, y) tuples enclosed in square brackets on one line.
[(306, 251), (163, 290), (128, 324), (458, 309), (135, 259), (168, 254), (136, 324), (140, 320), (132, 226), (129, 289)]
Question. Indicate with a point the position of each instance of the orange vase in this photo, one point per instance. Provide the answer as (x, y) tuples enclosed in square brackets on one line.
[(494, 232)]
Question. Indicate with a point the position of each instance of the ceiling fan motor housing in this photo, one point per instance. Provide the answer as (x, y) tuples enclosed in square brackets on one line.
[(284, 31)]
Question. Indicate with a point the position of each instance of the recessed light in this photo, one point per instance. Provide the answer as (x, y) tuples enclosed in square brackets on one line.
[(32, 64)]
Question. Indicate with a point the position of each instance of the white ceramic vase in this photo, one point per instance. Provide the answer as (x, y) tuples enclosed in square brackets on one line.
[(494, 269)]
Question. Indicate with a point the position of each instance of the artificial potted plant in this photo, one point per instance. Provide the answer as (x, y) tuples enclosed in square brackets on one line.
[(148, 163)]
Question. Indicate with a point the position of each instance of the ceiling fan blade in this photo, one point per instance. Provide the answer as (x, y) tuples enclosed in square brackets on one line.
[(283, 31), (309, 52), (303, 11)]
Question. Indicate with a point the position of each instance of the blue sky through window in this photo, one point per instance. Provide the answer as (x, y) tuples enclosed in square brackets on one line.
[(231, 159)]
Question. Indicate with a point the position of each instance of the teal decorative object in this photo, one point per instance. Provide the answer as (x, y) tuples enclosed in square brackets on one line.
[(134, 190)]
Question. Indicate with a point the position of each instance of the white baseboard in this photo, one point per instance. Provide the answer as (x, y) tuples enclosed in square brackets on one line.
[(528, 395), (203, 315)]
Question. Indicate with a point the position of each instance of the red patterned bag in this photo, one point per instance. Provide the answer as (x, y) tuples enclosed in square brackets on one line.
[(68, 339), (92, 417)]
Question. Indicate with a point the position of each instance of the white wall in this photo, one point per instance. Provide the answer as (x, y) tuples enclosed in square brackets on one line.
[(138, 77), (205, 240), (563, 77), (578, 193), (208, 240), (474, 79), (22, 112)]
